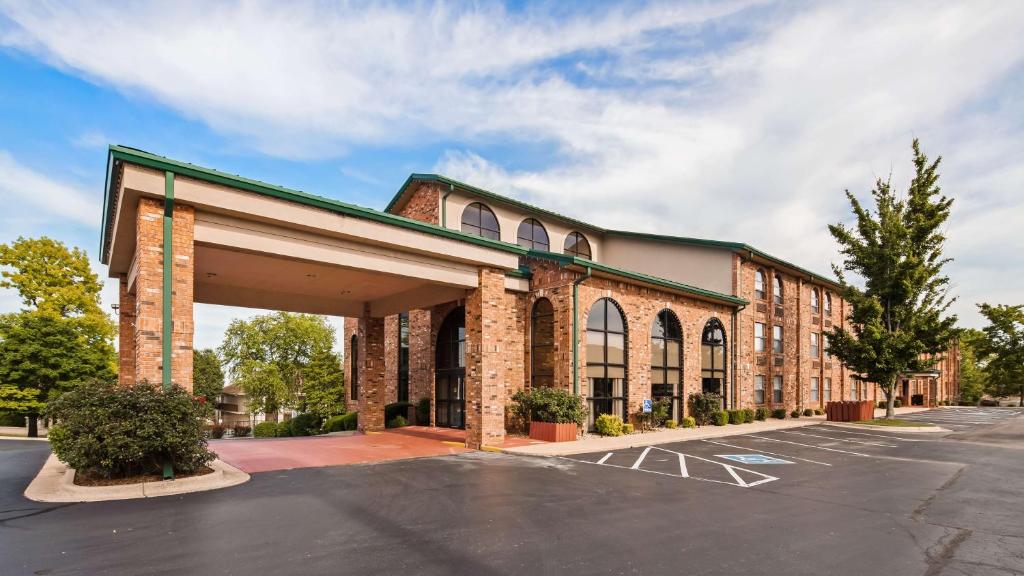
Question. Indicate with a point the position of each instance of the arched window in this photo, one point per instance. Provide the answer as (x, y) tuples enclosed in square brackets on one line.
[(353, 352), (777, 289), (606, 359), (532, 235), (759, 284), (450, 371), (479, 220), (542, 344), (576, 244), (403, 356), (667, 361), (828, 303), (712, 358), (815, 302)]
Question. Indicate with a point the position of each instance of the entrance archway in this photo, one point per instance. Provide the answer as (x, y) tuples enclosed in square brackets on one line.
[(450, 371)]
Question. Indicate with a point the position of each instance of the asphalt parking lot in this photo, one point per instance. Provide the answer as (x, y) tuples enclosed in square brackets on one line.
[(814, 500)]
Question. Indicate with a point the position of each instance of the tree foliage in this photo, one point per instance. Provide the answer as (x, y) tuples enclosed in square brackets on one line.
[(269, 355), (323, 388), (898, 319), (1004, 345), (973, 379), (207, 376)]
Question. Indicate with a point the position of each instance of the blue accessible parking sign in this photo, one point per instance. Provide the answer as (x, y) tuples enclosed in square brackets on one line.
[(753, 459)]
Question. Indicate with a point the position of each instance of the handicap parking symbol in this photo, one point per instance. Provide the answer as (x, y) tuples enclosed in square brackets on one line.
[(753, 459)]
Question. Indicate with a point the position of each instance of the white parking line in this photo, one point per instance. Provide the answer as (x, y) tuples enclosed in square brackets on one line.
[(846, 430), (605, 458), (730, 468), (767, 452), (682, 467), (810, 446), (865, 443), (641, 458)]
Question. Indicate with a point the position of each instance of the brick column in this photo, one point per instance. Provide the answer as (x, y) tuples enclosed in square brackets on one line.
[(126, 336), (371, 373), (486, 335), (148, 308)]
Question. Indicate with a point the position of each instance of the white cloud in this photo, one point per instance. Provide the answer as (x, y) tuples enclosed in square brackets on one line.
[(737, 121), (29, 196)]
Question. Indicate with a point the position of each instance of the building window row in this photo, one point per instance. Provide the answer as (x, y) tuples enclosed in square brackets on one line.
[(760, 293), (479, 220)]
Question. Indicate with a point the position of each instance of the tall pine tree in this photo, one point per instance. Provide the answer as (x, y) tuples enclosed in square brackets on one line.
[(898, 317)]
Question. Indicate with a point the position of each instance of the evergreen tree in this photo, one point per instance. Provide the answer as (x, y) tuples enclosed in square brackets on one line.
[(898, 317), (1005, 347)]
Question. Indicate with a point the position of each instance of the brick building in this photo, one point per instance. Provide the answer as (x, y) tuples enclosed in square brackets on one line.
[(462, 296)]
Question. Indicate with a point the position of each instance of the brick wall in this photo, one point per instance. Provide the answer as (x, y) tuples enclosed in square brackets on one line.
[(371, 373), (126, 333), (488, 331), (424, 204)]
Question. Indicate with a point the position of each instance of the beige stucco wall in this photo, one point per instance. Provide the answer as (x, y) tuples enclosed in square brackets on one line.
[(709, 268)]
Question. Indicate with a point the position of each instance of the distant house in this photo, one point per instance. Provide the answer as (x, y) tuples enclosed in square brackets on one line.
[(233, 408)]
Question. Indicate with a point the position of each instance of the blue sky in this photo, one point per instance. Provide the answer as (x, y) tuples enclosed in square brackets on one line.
[(733, 120)]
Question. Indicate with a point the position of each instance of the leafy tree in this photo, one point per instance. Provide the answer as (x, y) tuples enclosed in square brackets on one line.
[(1005, 345), (207, 376), (898, 318), (42, 357), (268, 356), (324, 386), (973, 379)]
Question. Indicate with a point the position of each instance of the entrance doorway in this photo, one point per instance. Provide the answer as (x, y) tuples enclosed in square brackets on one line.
[(450, 375)]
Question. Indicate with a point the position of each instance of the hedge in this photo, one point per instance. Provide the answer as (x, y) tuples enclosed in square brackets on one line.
[(762, 413), (284, 429), (342, 422), (265, 430), (779, 413), (305, 425), (608, 425), (736, 416), (688, 422), (748, 415), (808, 412), (721, 418)]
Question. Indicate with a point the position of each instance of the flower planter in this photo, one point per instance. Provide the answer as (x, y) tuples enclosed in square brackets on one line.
[(551, 432)]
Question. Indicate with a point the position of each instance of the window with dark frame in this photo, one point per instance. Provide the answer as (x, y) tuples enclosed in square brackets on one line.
[(759, 389), (606, 360), (712, 359), (777, 339), (777, 289), (403, 357), (667, 361), (353, 352), (542, 344), (480, 220), (815, 302), (759, 292), (815, 347), (576, 244), (776, 389), (828, 389), (828, 303), (450, 371), (760, 338), (814, 389), (532, 235)]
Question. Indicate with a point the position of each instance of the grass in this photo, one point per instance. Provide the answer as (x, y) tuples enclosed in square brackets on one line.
[(895, 422)]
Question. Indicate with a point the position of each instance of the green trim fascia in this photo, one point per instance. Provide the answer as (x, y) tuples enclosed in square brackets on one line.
[(521, 272), (168, 279), (486, 194), (141, 158)]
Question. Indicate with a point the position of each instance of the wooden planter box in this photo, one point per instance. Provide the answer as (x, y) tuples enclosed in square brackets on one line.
[(551, 432)]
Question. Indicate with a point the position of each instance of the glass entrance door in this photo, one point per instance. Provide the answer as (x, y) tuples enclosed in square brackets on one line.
[(450, 401)]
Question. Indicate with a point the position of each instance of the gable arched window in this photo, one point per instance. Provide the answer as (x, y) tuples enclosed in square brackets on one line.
[(606, 359), (815, 301), (759, 292), (777, 290), (667, 361), (532, 235), (712, 358), (542, 344), (353, 353), (480, 220), (576, 244)]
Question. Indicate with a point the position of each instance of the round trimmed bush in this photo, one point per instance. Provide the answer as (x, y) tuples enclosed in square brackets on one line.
[(265, 430), (704, 407), (897, 403), (721, 418), (808, 412), (748, 415), (736, 416), (819, 412), (688, 422), (608, 425), (305, 425), (284, 429), (779, 413), (396, 422), (794, 414), (627, 428), (118, 431), (670, 424), (762, 413)]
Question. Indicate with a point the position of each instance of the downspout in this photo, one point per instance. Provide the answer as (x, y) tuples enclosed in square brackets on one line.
[(444, 205), (168, 279), (735, 354), (576, 331)]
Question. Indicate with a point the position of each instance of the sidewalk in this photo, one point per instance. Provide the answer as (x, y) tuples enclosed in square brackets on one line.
[(594, 443), (8, 432)]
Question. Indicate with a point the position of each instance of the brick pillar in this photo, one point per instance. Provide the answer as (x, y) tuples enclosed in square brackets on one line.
[(371, 373), (486, 334), (421, 358), (148, 329), (126, 336)]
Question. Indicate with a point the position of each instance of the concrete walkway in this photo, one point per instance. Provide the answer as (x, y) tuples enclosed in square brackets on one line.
[(594, 443)]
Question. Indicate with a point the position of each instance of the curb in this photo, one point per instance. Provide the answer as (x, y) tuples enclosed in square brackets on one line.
[(56, 483)]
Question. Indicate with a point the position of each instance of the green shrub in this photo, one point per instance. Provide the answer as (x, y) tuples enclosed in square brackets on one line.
[(688, 422), (627, 428), (794, 414), (703, 407), (762, 413), (284, 429), (265, 430), (305, 425), (749, 414), (819, 412), (110, 430), (721, 418), (608, 425), (660, 411), (779, 413), (881, 404), (396, 409), (423, 412), (808, 412), (241, 430), (736, 416), (396, 422), (341, 423), (547, 404), (12, 419), (671, 424), (897, 403), (216, 431)]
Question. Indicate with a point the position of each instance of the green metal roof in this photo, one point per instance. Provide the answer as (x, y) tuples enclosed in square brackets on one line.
[(134, 156)]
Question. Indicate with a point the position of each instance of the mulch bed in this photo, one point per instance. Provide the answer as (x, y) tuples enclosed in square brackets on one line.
[(84, 480)]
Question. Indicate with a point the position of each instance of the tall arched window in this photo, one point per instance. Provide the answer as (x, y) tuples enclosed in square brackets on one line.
[(815, 301), (777, 289), (478, 219), (353, 353), (532, 235), (450, 371), (712, 358), (667, 361), (828, 303), (542, 344), (403, 356), (606, 359), (576, 244), (759, 292)]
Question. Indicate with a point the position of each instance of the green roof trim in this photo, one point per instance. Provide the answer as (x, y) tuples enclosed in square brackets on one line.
[(521, 272)]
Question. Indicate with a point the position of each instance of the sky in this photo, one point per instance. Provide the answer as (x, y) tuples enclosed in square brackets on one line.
[(742, 121)]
